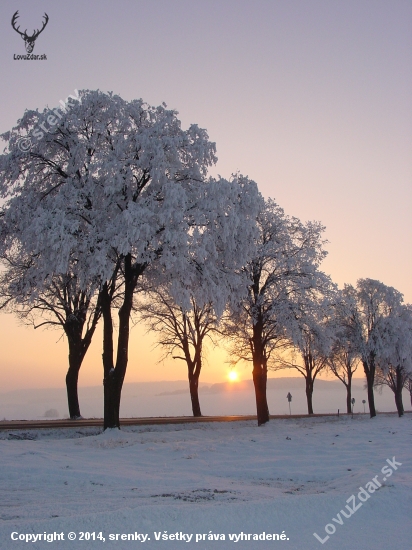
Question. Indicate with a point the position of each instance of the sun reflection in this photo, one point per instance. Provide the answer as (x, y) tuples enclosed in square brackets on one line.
[(233, 376)]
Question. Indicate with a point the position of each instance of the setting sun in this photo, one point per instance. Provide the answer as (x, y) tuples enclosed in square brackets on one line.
[(233, 376)]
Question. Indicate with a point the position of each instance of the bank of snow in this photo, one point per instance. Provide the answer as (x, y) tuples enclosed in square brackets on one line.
[(292, 476)]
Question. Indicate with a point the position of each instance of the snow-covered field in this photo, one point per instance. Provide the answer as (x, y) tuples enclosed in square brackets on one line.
[(291, 476)]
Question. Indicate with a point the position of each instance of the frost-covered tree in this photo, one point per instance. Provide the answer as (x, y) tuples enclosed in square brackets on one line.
[(394, 362), (309, 334), (60, 304), (119, 187), (181, 332), (343, 363), (343, 360), (369, 305), (184, 327), (395, 378), (287, 255)]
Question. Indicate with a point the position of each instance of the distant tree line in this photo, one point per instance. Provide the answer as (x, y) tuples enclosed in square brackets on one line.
[(112, 213)]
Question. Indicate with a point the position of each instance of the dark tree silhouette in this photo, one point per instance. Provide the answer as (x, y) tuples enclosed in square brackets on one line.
[(182, 333), (59, 303)]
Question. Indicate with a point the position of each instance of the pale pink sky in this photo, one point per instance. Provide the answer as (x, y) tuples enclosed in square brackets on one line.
[(312, 99)]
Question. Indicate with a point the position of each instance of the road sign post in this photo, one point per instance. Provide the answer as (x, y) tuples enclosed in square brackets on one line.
[(289, 398)]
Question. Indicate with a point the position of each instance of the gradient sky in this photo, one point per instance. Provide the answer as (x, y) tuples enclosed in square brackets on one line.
[(311, 98)]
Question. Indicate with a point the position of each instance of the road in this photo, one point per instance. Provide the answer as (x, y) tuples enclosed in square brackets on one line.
[(90, 422)]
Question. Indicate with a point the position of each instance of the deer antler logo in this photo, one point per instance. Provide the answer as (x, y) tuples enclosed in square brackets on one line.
[(28, 40)]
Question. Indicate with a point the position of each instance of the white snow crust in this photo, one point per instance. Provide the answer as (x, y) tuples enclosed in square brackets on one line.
[(290, 476)]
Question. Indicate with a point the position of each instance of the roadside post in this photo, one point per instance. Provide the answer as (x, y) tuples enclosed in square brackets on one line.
[(289, 398)]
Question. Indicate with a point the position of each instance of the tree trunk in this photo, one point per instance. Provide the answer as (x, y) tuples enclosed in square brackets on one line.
[(399, 402), (72, 377), (370, 377), (259, 373), (349, 391), (194, 367), (398, 391), (348, 398), (78, 345), (309, 393), (194, 394), (77, 351), (112, 395), (110, 420), (371, 399), (114, 375), (260, 382)]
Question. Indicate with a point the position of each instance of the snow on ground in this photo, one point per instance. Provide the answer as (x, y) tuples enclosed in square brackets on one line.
[(291, 476)]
